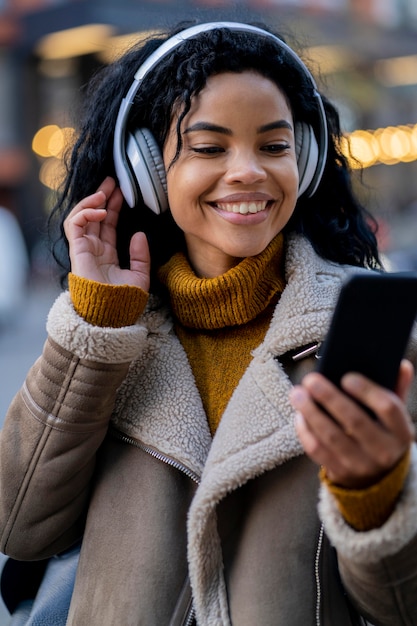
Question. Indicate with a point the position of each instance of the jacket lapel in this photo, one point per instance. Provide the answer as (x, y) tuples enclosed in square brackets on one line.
[(159, 404)]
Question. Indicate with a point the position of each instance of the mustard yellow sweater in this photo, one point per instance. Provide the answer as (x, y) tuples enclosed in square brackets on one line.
[(228, 319), (219, 321)]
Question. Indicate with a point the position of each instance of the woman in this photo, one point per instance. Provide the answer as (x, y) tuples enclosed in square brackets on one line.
[(157, 427)]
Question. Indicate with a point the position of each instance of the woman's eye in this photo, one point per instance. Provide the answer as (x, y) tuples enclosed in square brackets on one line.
[(207, 149), (276, 148)]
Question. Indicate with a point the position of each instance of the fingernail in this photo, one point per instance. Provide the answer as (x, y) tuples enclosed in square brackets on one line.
[(352, 380), (297, 396)]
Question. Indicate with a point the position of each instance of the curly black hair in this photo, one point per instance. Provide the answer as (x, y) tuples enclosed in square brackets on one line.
[(333, 220)]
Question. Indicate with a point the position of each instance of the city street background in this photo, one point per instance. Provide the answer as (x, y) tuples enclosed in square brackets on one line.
[(20, 344)]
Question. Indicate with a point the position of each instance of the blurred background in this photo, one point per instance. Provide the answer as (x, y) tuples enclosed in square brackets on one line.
[(364, 52)]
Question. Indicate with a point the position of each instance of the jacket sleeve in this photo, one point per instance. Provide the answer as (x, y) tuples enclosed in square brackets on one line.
[(379, 566), (53, 429)]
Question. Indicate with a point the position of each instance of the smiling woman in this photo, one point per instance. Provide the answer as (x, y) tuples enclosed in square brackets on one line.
[(165, 445)]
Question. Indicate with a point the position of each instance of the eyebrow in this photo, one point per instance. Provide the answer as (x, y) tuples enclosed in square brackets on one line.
[(273, 125), (214, 128)]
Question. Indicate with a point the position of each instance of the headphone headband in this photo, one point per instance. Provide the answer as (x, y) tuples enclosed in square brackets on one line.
[(121, 161)]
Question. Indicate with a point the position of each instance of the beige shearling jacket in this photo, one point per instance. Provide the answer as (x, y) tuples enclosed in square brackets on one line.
[(108, 440)]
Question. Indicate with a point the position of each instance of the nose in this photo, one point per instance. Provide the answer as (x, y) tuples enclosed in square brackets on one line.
[(245, 167)]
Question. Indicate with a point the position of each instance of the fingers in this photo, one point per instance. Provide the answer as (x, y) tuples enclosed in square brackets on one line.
[(82, 216), (99, 199), (321, 453), (91, 232), (140, 260), (109, 221), (405, 378), (325, 439), (336, 430), (90, 210), (387, 405)]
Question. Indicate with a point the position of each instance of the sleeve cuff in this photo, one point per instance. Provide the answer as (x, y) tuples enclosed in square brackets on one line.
[(365, 509), (93, 343), (108, 306), (373, 546)]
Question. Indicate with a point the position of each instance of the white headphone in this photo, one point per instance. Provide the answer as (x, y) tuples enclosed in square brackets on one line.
[(137, 158)]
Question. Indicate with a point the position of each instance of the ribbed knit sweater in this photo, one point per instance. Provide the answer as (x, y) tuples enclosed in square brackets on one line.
[(226, 321)]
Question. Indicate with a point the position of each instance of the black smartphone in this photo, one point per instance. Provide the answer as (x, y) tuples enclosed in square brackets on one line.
[(370, 327)]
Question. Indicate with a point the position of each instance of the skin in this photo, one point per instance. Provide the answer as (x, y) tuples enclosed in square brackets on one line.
[(238, 149)]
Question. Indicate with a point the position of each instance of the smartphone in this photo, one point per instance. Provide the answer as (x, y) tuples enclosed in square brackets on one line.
[(370, 327)]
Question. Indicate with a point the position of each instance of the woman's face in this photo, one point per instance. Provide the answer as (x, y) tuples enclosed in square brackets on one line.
[(234, 185)]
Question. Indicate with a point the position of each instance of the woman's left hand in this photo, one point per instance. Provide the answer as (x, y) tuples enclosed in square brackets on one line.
[(337, 432)]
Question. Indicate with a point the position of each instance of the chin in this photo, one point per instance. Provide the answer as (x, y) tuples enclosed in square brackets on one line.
[(250, 250)]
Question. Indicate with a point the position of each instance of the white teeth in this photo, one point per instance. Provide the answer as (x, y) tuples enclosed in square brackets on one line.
[(244, 207)]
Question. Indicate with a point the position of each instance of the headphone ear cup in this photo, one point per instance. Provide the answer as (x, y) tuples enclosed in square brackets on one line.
[(148, 170), (307, 153)]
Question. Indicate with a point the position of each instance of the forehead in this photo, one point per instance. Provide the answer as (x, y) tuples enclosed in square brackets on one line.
[(229, 92)]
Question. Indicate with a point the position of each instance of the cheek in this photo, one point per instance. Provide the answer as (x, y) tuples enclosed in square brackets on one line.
[(292, 176), (181, 203), (290, 183), (184, 188)]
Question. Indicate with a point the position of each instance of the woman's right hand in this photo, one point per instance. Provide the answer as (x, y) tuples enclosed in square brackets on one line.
[(91, 232)]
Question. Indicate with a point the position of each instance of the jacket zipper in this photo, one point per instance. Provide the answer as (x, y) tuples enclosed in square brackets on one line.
[(156, 454), (189, 618), (317, 575)]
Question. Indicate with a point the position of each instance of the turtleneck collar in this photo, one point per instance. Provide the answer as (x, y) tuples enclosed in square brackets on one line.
[(231, 299)]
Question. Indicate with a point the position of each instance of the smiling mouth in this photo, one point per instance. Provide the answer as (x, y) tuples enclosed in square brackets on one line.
[(242, 207)]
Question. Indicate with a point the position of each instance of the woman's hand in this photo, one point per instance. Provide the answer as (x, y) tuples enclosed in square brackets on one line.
[(91, 232), (337, 433)]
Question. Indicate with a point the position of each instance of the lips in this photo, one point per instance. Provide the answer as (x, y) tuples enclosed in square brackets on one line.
[(242, 207)]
